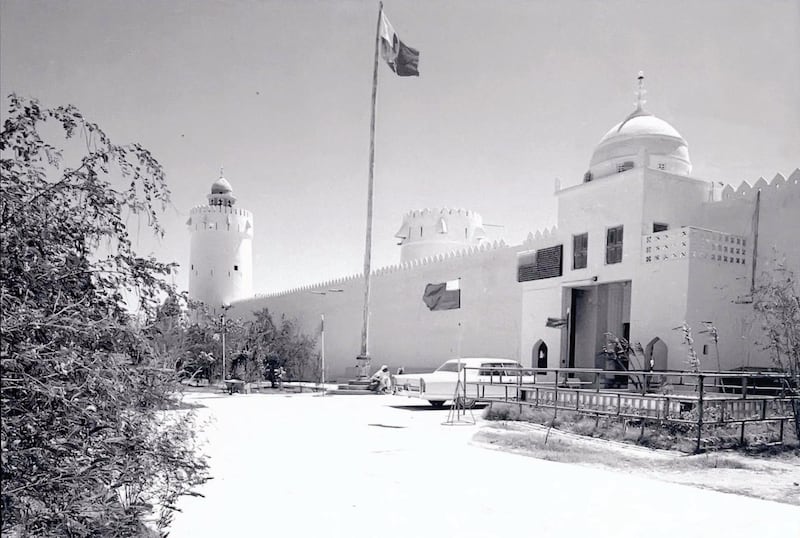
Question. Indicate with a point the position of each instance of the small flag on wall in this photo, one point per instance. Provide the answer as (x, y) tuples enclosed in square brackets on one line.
[(557, 323), (401, 58), (443, 296)]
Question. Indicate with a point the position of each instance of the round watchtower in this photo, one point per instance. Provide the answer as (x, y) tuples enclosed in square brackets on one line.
[(429, 232), (221, 249)]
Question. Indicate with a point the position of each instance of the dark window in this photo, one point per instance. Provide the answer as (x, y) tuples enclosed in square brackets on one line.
[(587, 177), (192, 266), (614, 245), (420, 231), (235, 267), (539, 264), (621, 167), (660, 227), (580, 246), (662, 166)]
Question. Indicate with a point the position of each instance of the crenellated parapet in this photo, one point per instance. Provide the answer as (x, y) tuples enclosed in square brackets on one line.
[(220, 209), (433, 231), (470, 253), (541, 239), (778, 186)]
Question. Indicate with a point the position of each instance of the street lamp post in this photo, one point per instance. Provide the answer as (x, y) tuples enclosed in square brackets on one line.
[(225, 308), (322, 337), (322, 349)]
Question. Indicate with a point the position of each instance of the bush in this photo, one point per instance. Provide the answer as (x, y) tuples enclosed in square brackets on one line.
[(87, 446)]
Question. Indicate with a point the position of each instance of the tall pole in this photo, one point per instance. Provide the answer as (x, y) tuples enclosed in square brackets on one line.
[(755, 241), (223, 346), (363, 357), (225, 308), (322, 348)]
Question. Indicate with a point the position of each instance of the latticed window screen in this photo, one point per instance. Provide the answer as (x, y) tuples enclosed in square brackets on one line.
[(580, 246), (539, 264), (526, 266), (614, 245)]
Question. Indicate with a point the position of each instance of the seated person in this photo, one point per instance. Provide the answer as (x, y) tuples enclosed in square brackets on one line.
[(381, 381)]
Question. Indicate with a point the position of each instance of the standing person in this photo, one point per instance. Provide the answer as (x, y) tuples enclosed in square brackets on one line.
[(281, 374)]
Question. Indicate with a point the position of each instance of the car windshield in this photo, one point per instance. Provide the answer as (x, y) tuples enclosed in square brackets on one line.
[(498, 368), (450, 367)]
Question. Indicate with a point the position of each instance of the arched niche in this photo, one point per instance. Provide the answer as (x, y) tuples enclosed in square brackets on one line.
[(655, 354), (539, 355)]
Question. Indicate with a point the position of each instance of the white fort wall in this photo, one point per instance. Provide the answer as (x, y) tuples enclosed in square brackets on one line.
[(221, 254), (403, 332)]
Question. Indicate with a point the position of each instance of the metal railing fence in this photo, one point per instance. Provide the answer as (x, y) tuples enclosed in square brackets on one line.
[(699, 399)]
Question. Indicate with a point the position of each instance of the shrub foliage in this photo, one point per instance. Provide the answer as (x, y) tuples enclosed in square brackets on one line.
[(88, 446)]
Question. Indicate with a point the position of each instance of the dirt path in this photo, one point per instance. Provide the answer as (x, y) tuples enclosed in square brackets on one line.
[(774, 479)]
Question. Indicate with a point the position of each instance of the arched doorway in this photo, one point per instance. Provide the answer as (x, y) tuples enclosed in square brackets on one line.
[(539, 355), (655, 354)]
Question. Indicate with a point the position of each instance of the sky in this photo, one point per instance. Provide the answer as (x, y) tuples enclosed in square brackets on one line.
[(511, 95)]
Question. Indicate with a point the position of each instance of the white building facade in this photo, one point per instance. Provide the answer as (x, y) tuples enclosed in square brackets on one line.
[(640, 247)]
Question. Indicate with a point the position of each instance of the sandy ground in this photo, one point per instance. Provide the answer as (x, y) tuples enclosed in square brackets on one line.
[(775, 478), (305, 465)]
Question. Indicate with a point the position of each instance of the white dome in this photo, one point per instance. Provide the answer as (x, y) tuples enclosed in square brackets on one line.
[(640, 141), (221, 186), (221, 193), (642, 125)]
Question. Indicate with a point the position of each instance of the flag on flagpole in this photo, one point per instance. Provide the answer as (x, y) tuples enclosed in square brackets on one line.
[(443, 295), (402, 59)]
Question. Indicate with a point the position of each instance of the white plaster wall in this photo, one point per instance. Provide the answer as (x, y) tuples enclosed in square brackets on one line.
[(221, 238), (539, 303), (659, 296), (594, 207), (674, 200), (403, 332), (712, 292)]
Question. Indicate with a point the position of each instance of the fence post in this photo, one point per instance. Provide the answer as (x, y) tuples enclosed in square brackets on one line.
[(555, 397), (743, 408), (597, 403), (699, 412)]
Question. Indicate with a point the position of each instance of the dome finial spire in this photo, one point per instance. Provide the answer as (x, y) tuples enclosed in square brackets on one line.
[(640, 93), (221, 171)]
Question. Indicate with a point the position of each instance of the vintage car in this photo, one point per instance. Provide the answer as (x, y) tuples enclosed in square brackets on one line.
[(489, 377)]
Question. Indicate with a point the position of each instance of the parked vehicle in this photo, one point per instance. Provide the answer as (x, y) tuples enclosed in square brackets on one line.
[(491, 377)]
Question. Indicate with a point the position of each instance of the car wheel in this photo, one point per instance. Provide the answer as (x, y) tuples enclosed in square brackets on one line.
[(436, 403)]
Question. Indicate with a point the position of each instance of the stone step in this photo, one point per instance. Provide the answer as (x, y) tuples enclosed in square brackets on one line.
[(350, 390)]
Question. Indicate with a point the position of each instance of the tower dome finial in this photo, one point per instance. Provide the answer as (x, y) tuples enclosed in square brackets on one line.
[(221, 171), (640, 93)]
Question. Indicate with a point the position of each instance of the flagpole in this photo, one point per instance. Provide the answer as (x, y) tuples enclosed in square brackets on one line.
[(363, 357)]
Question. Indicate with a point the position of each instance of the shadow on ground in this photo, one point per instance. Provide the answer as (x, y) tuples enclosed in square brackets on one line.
[(430, 407)]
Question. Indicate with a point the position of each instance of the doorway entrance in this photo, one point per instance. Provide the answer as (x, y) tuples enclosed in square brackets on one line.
[(596, 312)]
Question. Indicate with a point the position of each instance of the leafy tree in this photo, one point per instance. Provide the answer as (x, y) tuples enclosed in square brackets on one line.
[(776, 302), (280, 346), (87, 446)]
